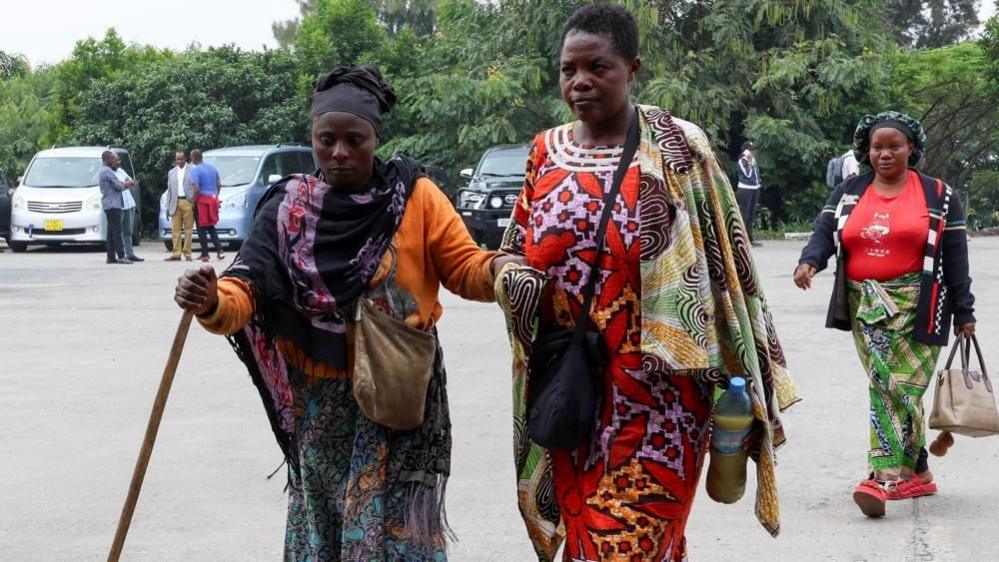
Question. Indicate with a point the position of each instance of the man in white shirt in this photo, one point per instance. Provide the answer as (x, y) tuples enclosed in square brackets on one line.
[(749, 184), (127, 213), (850, 165), (180, 207)]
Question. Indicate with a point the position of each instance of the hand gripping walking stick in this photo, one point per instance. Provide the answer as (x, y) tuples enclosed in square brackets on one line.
[(151, 429)]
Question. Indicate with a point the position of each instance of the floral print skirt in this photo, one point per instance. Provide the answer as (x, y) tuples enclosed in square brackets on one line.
[(340, 506)]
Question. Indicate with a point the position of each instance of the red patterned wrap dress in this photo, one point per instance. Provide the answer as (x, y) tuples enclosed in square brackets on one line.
[(624, 495)]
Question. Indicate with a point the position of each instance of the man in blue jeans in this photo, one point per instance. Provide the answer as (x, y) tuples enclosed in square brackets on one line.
[(127, 213), (112, 203)]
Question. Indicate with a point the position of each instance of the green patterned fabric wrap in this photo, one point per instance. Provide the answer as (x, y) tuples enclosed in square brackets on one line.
[(704, 312), (899, 370), (519, 290)]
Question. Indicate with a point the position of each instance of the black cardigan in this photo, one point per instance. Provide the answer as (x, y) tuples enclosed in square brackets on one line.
[(945, 290)]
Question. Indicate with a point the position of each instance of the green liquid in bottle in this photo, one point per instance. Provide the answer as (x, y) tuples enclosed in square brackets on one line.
[(732, 420)]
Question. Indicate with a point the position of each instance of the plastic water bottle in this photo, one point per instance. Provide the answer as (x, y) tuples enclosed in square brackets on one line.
[(732, 421)]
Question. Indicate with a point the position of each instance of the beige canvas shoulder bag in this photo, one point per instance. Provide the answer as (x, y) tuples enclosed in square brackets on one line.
[(393, 363), (965, 402)]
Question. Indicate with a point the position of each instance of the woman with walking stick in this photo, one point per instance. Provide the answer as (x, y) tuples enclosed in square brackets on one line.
[(364, 236)]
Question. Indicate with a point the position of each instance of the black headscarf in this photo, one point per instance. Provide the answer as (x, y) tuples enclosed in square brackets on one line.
[(906, 124), (359, 90)]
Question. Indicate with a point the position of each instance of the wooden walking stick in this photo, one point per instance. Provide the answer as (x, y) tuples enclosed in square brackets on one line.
[(151, 429)]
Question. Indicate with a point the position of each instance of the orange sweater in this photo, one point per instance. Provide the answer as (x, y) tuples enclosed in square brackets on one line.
[(433, 248)]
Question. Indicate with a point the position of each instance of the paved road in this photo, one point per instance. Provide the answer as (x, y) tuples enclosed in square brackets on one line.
[(83, 345)]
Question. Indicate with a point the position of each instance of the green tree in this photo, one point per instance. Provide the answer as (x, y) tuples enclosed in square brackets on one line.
[(790, 76), (25, 119), (93, 62), (494, 81), (169, 104), (932, 23), (418, 16), (949, 90), (286, 32), (982, 191), (337, 33), (13, 66)]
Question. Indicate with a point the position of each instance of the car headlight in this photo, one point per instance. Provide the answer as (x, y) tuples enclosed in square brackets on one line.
[(237, 201), (470, 200), (18, 201), (496, 202), (93, 202)]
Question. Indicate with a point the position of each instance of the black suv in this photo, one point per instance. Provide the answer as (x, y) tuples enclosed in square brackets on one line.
[(493, 187), (5, 193)]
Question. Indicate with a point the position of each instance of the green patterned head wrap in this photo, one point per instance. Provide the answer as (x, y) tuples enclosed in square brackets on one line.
[(905, 123)]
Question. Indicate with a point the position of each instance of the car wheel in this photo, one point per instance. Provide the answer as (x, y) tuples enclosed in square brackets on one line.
[(235, 245), (168, 244), (19, 247)]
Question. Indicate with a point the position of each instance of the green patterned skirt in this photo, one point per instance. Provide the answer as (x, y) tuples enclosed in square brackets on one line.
[(899, 369)]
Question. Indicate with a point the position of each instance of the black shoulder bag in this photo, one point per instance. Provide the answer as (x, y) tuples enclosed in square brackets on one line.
[(566, 369)]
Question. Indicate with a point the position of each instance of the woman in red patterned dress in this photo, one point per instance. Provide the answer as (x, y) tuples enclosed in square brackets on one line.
[(626, 492)]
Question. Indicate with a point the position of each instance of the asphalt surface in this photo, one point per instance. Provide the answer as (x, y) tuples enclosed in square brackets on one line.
[(82, 348)]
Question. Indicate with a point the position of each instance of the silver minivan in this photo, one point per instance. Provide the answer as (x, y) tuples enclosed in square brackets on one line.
[(58, 199), (246, 173)]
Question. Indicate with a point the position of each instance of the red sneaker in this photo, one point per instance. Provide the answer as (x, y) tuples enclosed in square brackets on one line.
[(911, 488), (870, 498)]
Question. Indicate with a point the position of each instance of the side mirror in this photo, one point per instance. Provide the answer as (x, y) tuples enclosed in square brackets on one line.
[(467, 173), (273, 178)]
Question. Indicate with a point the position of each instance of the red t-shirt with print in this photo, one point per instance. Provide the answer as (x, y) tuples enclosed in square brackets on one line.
[(885, 238)]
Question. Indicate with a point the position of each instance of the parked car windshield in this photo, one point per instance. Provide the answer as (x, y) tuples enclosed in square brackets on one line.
[(235, 170), (63, 172), (505, 163)]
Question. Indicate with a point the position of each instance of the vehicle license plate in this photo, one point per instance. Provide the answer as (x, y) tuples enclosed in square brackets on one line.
[(503, 223), (53, 225)]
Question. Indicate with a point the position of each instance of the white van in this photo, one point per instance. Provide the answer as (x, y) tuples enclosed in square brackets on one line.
[(58, 199)]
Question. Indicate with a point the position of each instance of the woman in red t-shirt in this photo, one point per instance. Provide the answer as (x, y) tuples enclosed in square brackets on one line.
[(902, 255)]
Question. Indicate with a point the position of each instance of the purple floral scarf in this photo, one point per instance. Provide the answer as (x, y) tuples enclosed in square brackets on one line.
[(311, 252)]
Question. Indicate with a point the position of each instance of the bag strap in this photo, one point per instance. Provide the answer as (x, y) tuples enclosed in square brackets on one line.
[(958, 344), (965, 344), (981, 361), (630, 146)]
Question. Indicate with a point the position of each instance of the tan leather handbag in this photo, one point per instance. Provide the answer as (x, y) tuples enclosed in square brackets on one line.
[(964, 401), (393, 363)]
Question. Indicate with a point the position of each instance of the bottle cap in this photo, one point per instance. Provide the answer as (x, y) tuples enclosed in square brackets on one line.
[(737, 383)]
